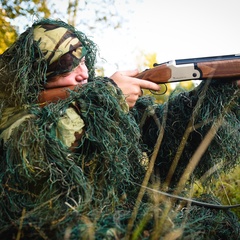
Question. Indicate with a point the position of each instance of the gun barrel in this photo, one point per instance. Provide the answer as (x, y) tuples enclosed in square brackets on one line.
[(207, 59)]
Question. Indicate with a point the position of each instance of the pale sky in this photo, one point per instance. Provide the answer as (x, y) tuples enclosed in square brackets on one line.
[(174, 29)]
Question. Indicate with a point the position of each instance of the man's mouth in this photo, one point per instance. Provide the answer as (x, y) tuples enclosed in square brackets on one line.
[(83, 81)]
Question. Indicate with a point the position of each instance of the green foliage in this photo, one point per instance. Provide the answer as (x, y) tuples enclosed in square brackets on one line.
[(18, 8), (227, 188), (93, 17), (14, 10), (8, 33)]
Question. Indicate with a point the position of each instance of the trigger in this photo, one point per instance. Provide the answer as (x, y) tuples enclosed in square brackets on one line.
[(160, 92)]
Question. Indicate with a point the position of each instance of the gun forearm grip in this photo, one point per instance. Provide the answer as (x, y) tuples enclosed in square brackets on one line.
[(228, 69)]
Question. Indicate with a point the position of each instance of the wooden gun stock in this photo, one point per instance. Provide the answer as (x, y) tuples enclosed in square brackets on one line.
[(158, 74), (54, 95)]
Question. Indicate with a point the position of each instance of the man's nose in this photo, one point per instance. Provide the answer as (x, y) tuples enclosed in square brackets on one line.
[(81, 76)]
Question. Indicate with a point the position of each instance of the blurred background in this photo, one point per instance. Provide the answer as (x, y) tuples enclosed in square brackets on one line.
[(135, 33)]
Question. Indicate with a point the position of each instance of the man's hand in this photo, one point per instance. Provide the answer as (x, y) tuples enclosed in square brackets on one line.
[(131, 86)]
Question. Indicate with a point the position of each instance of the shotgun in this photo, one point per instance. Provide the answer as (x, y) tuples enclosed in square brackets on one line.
[(226, 67)]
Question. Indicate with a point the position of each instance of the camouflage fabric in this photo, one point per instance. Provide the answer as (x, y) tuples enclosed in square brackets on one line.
[(60, 47)]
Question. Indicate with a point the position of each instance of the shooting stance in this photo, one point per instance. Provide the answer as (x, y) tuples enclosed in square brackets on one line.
[(73, 145)]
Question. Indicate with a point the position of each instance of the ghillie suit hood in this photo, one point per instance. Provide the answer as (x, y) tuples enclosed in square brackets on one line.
[(48, 48)]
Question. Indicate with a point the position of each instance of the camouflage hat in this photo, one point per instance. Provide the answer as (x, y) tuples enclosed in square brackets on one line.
[(60, 47)]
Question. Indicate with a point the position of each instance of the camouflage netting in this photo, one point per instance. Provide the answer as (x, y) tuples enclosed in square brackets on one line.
[(201, 107), (206, 223), (51, 192), (39, 174)]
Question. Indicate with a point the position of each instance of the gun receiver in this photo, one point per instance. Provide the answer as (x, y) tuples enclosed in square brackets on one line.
[(218, 67)]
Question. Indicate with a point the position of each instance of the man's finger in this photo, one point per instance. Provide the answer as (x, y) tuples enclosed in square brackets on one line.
[(149, 85)]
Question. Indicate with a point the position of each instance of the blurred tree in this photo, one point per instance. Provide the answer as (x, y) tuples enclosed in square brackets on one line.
[(11, 13), (93, 16), (187, 85), (72, 11), (8, 33), (16, 8)]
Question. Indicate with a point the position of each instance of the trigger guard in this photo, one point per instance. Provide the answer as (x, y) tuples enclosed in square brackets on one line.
[(162, 93)]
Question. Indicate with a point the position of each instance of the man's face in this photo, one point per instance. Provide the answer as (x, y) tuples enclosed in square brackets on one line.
[(78, 76)]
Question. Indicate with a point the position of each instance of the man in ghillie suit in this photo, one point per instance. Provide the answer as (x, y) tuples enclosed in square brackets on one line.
[(72, 144)]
